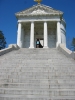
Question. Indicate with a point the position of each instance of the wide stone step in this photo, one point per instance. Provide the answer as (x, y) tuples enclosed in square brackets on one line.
[(35, 55), (16, 91), (24, 76), (25, 85), (38, 86), (30, 86), (58, 81), (40, 72), (37, 98), (37, 69), (35, 64), (38, 92), (37, 74), (29, 97), (23, 97), (54, 66)]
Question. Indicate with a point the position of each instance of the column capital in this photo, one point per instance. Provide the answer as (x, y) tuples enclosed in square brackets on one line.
[(45, 21), (32, 21), (58, 21), (19, 22)]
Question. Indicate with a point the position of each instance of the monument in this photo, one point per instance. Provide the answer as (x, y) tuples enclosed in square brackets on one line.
[(40, 22), (38, 74)]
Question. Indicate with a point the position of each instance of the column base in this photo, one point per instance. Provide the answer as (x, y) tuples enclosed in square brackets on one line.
[(57, 44), (45, 47), (31, 47)]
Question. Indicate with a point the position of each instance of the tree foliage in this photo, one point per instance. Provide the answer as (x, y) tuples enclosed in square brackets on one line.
[(73, 44), (2, 41)]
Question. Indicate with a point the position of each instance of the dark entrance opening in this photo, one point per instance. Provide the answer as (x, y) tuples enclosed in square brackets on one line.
[(38, 43)]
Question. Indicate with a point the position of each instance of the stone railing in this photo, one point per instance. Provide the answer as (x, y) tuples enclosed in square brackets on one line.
[(66, 51), (10, 48), (73, 55)]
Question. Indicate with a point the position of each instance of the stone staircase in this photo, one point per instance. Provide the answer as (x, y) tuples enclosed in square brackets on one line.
[(37, 74)]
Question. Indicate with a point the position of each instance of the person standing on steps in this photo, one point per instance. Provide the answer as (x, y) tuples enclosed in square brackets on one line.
[(37, 43)]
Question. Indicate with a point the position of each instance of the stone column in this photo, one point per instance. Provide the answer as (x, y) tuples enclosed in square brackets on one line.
[(22, 38), (32, 35), (19, 34), (58, 34), (45, 35)]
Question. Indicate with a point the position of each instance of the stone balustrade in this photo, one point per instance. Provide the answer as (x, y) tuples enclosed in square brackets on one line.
[(66, 51), (10, 48)]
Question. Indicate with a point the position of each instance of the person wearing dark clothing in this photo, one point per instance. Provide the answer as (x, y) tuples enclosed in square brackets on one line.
[(37, 43)]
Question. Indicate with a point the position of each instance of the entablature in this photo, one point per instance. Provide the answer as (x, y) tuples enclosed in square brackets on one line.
[(38, 19)]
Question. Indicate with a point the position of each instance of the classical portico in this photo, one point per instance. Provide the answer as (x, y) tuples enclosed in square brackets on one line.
[(41, 22)]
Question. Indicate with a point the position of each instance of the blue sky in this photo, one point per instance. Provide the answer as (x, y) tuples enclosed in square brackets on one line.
[(8, 21)]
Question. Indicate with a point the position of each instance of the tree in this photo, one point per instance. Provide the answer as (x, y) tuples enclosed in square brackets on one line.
[(73, 44), (2, 40)]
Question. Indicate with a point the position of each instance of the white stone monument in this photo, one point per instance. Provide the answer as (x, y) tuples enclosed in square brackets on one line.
[(40, 22)]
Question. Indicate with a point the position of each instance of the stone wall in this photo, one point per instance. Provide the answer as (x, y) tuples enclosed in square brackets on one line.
[(27, 39), (52, 38)]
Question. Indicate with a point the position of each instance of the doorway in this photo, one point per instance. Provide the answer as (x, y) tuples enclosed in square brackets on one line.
[(39, 43)]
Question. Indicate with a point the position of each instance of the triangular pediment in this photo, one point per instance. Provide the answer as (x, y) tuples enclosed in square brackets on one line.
[(39, 10)]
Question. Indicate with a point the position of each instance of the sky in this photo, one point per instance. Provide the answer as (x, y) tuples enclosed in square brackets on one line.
[(8, 21)]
